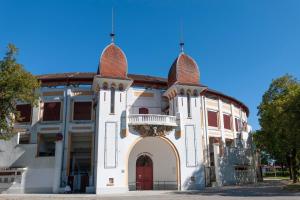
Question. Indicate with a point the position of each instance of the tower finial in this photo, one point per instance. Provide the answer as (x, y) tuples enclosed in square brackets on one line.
[(112, 34), (181, 36)]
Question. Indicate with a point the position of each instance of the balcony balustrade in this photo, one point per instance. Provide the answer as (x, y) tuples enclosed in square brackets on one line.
[(152, 119)]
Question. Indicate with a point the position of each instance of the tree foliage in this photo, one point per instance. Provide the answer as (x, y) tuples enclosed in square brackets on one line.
[(16, 84), (279, 118)]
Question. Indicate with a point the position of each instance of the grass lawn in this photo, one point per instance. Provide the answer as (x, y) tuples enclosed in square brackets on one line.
[(276, 177)]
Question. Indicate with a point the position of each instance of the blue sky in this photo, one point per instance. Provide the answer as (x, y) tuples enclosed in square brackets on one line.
[(239, 45)]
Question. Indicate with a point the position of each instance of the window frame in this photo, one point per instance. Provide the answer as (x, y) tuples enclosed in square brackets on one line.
[(73, 109), (24, 133), (31, 112), (60, 111), (188, 102), (230, 121), (39, 143), (218, 118), (143, 108), (112, 106), (237, 124)]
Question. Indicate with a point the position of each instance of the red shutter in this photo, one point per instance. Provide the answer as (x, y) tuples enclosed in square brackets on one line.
[(24, 112), (227, 121), (82, 111), (212, 118), (143, 111), (51, 111)]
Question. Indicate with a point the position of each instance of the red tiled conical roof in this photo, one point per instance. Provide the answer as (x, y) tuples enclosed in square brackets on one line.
[(113, 62), (184, 70)]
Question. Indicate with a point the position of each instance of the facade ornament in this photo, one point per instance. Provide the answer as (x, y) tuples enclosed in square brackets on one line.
[(152, 130)]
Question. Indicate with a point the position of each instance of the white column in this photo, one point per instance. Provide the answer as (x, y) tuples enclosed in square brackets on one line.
[(205, 127), (57, 167), (217, 164), (233, 120), (221, 120)]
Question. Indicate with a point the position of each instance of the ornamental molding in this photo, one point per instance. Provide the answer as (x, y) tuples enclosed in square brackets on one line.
[(152, 130)]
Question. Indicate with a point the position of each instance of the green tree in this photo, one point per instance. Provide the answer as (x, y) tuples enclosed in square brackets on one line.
[(16, 84), (279, 118)]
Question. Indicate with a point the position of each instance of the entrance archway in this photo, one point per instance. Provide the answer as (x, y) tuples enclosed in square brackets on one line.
[(144, 173), (154, 157)]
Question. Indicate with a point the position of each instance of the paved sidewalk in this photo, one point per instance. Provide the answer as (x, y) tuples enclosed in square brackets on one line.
[(269, 190)]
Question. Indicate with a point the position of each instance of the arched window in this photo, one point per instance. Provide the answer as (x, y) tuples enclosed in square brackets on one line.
[(143, 111), (189, 104), (112, 100)]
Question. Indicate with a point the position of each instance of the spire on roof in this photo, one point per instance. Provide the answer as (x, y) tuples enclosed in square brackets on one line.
[(112, 34), (181, 37), (181, 46)]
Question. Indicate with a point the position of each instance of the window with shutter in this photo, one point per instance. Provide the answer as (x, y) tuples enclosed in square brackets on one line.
[(51, 111), (82, 110), (212, 118), (143, 111), (227, 121)]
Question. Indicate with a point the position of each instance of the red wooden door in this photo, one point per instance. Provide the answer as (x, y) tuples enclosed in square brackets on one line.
[(144, 173)]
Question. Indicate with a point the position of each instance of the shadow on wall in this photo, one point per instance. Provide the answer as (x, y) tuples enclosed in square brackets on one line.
[(10, 151), (196, 181), (38, 174), (237, 165)]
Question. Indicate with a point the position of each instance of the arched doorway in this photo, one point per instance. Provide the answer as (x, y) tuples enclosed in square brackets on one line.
[(144, 173), (164, 159)]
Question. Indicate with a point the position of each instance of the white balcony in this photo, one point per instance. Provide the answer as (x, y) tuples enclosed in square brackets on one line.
[(152, 119)]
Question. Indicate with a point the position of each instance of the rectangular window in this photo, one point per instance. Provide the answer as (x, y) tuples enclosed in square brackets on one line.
[(46, 145), (227, 121), (189, 105), (112, 100), (24, 113), (51, 111), (82, 110), (212, 118), (237, 124), (24, 138)]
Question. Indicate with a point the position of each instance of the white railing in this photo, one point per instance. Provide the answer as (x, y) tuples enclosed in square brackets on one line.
[(151, 119)]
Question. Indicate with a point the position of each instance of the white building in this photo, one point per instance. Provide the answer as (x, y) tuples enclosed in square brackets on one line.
[(110, 132)]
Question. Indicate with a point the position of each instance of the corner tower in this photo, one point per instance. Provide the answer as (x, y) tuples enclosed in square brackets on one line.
[(183, 92), (110, 86)]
